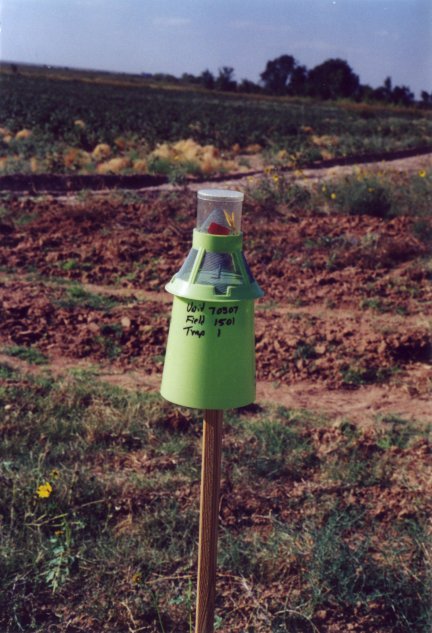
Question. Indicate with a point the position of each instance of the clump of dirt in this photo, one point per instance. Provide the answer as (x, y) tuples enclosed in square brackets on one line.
[(291, 346), (35, 315), (315, 259), (345, 351)]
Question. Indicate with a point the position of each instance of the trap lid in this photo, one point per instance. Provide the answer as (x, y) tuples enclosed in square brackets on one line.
[(219, 211)]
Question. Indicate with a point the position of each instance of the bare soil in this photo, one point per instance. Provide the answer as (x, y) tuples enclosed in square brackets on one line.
[(344, 329)]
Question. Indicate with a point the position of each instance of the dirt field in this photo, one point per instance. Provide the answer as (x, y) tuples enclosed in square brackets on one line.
[(345, 331)]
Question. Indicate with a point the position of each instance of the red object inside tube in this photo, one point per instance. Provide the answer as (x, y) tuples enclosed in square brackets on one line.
[(218, 229)]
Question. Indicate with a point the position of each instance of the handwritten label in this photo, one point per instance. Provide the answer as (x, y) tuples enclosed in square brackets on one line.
[(203, 319)]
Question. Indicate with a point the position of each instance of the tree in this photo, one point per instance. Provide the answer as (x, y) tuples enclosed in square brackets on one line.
[(333, 79), (188, 78), (426, 99), (278, 73), (224, 81), (248, 86), (165, 77), (388, 88), (207, 79), (298, 81), (402, 95)]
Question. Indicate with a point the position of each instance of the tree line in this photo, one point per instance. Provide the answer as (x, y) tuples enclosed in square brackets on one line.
[(333, 79)]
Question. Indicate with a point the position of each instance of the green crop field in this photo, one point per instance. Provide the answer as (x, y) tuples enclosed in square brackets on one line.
[(45, 120)]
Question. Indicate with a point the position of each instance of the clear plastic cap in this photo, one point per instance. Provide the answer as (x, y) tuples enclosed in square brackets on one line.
[(219, 211)]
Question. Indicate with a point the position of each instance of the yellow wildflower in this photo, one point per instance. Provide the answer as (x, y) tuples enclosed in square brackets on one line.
[(422, 173), (276, 179), (333, 196), (44, 490)]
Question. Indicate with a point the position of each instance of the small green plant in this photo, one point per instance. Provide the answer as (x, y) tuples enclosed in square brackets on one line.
[(422, 229), (26, 218), (30, 354), (176, 171), (398, 432), (275, 193), (374, 303), (84, 374), (364, 196), (76, 295), (276, 450), (304, 351), (355, 376), (69, 264), (6, 371), (59, 557), (110, 340)]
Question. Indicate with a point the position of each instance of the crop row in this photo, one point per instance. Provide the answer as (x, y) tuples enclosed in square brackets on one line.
[(50, 109)]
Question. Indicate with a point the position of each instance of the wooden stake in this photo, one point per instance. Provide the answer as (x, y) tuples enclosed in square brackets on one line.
[(208, 528)]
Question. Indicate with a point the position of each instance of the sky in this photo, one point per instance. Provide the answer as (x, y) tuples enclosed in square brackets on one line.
[(378, 38)]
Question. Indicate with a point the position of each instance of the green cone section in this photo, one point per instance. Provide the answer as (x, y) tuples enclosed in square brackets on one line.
[(210, 357), (215, 270)]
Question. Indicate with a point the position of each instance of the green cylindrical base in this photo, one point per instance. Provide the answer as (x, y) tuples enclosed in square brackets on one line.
[(210, 356)]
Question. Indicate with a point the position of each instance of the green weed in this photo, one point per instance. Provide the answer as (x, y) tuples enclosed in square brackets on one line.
[(398, 432), (383, 195), (30, 354), (175, 171), (373, 303), (355, 375), (110, 340), (24, 219), (275, 193), (69, 264), (77, 296), (6, 371), (364, 196), (304, 351), (274, 450), (422, 229)]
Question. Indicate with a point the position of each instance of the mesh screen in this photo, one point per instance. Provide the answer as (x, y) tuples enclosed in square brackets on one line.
[(217, 262), (187, 265), (248, 270), (219, 270)]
